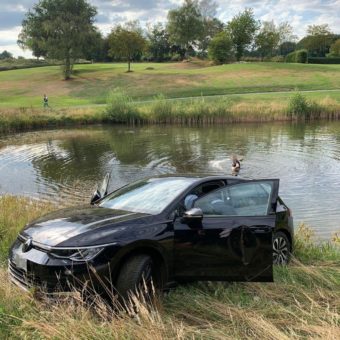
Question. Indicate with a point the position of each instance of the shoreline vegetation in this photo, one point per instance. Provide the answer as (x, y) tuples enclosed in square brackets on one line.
[(121, 109), (303, 302), (192, 92)]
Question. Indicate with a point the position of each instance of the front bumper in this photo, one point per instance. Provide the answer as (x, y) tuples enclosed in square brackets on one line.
[(39, 270)]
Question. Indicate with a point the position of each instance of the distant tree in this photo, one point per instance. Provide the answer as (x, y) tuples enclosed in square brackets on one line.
[(126, 42), (96, 50), (59, 29), (315, 30), (287, 47), (242, 29), (221, 48), (335, 49), (159, 46), (211, 25), (185, 24), (318, 40), (6, 55), (271, 36), (267, 40)]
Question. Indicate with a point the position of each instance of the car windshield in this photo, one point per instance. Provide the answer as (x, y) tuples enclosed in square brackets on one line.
[(149, 196)]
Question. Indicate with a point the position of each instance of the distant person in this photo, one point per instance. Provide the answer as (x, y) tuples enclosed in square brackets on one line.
[(45, 101)]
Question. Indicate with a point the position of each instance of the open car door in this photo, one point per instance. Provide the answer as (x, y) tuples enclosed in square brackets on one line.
[(233, 238)]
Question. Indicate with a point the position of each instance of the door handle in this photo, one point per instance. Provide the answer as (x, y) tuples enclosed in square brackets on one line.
[(261, 230)]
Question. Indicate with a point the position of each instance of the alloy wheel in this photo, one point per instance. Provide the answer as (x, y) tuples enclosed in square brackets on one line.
[(280, 251)]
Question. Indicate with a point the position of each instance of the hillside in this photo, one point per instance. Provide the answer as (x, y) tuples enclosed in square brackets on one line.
[(91, 83)]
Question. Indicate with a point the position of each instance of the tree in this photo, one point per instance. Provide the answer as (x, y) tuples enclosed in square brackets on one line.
[(242, 29), (126, 42), (267, 39), (287, 47), (59, 29), (318, 40), (185, 24), (335, 49), (221, 48), (158, 42), (211, 27), (271, 36), (97, 50), (6, 55)]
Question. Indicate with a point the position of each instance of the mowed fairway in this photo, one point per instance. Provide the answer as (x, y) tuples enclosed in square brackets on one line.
[(91, 83)]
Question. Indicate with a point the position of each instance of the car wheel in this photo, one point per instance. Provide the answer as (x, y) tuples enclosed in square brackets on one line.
[(137, 274), (281, 248)]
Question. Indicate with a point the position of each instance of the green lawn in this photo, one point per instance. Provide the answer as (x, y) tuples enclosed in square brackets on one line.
[(91, 83)]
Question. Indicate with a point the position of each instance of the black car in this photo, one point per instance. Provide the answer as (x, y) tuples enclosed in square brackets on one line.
[(168, 229)]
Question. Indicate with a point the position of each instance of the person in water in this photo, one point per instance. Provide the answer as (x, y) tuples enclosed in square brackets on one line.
[(236, 165)]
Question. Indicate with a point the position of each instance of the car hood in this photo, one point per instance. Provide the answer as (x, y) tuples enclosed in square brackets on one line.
[(65, 224)]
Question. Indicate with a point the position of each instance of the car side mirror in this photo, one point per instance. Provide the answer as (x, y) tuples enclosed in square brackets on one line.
[(193, 217), (101, 190)]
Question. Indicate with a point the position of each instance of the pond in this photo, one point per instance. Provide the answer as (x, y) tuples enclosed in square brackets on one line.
[(65, 164)]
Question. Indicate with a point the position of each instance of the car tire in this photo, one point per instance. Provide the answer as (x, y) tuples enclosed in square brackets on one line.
[(137, 274), (281, 249)]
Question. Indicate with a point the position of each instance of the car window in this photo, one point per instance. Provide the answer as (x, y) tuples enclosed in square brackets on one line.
[(148, 196), (245, 199), (198, 191)]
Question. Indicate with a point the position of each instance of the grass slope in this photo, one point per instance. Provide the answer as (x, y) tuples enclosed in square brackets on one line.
[(304, 301), (92, 83)]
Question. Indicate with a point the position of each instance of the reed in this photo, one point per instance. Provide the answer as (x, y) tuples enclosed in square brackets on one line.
[(121, 109)]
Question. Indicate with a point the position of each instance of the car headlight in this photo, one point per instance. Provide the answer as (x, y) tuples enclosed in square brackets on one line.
[(77, 255)]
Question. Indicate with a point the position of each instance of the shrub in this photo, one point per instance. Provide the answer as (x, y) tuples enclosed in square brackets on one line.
[(176, 57), (299, 56), (120, 108), (328, 60), (278, 59), (161, 109), (335, 49), (300, 107), (221, 48)]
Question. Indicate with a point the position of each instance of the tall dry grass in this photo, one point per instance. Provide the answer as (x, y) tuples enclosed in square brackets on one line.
[(121, 109), (31, 118)]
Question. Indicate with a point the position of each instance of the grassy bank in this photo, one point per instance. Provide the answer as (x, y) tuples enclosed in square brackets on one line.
[(29, 118), (304, 301), (251, 92), (121, 109), (92, 83)]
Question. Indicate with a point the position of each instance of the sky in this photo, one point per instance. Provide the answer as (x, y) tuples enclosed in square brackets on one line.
[(299, 13)]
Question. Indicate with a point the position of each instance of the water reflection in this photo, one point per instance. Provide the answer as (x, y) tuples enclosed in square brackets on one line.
[(66, 164)]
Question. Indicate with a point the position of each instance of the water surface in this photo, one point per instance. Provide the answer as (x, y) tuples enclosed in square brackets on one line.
[(65, 164)]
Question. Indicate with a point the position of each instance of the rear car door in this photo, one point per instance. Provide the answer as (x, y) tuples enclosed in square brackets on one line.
[(234, 239)]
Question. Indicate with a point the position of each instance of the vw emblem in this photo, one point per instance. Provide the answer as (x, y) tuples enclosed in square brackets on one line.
[(27, 245)]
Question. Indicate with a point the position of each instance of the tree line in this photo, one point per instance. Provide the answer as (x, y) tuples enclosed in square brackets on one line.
[(65, 30)]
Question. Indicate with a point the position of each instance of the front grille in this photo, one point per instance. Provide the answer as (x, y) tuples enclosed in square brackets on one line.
[(19, 276)]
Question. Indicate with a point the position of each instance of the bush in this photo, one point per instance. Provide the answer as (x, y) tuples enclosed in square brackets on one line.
[(278, 59), (176, 57), (221, 48), (120, 108), (300, 107), (299, 56), (161, 109), (328, 60)]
